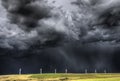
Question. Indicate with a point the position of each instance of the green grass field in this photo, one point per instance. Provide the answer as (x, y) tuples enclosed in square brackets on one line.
[(61, 77)]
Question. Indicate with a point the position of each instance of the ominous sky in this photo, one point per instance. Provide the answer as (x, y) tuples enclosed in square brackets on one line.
[(59, 34)]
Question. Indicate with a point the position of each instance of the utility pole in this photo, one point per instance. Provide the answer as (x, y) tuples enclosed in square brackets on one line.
[(86, 71), (40, 70), (20, 71), (55, 71), (105, 71), (66, 71), (95, 70)]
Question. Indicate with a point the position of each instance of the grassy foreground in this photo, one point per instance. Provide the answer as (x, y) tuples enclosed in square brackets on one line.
[(61, 77)]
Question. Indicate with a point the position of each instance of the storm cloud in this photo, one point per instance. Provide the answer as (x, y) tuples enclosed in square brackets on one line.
[(79, 38), (34, 23)]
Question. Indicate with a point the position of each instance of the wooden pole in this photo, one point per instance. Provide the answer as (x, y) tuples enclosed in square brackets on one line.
[(20, 71), (55, 71), (86, 71), (66, 71), (40, 70)]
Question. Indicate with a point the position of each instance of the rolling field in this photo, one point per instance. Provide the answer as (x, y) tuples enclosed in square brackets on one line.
[(61, 77)]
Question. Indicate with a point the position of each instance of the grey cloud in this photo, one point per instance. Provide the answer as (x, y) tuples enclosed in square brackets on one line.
[(26, 13), (54, 26), (35, 23), (98, 21), (90, 32)]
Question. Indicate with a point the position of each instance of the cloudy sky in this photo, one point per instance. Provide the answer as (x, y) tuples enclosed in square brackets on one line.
[(66, 4), (39, 34)]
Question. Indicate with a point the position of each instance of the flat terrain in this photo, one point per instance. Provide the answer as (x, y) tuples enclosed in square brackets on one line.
[(61, 77)]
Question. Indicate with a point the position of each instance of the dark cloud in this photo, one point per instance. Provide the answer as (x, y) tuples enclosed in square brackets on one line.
[(53, 38), (33, 23), (26, 13), (98, 21)]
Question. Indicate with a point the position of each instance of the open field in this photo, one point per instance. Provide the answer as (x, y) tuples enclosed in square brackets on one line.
[(61, 77)]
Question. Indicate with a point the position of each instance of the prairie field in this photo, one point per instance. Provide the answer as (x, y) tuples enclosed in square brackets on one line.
[(61, 77)]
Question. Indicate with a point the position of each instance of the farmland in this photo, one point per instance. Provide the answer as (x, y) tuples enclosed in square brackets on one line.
[(61, 77)]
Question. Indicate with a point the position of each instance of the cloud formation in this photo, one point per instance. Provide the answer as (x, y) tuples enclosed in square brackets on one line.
[(85, 34), (34, 22), (100, 19)]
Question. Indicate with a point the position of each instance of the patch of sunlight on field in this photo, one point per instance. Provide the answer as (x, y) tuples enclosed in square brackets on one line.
[(61, 77), (104, 79), (16, 78), (78, 77)]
